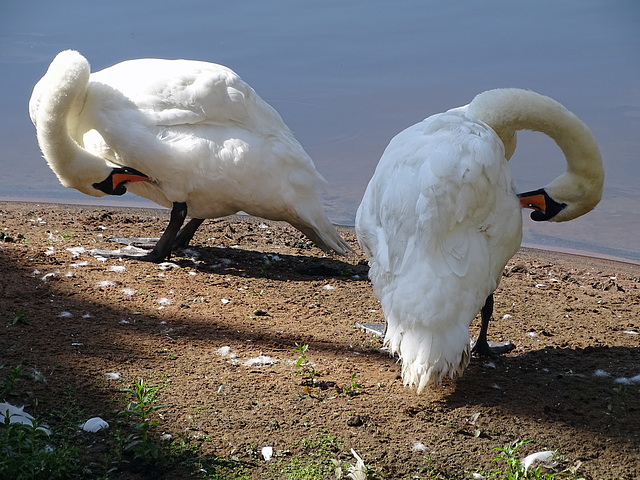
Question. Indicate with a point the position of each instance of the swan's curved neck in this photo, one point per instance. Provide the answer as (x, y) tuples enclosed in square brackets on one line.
[(509, 110), (59, 98)]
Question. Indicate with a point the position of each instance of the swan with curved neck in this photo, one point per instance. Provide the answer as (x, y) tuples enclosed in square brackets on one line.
[(440, 218), (579, 189), (57, 99), (185, 134)]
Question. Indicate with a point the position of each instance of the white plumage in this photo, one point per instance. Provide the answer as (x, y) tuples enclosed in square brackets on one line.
[(191, 135), (440, 219)]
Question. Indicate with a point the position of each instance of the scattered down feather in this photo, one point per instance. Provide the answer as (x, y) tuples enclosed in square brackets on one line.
[(18, 415), (94, 425), (359, 470), (544, 457)]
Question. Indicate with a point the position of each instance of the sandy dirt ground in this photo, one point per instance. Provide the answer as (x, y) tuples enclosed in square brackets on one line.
[(217, 326)]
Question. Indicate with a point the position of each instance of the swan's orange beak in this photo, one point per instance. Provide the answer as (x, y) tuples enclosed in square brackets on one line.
[(545, 207), (535, 202), (121, 178), (115, 183)]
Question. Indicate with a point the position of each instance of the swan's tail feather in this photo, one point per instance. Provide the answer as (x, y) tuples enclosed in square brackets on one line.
[(427, 357), (324, 234)]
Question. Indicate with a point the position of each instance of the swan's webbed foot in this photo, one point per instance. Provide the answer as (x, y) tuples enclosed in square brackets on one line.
[(482, 347), (491, 349), (154, 257)]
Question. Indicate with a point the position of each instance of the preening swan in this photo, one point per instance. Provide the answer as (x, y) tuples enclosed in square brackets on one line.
[(188, 135), (440, 218)]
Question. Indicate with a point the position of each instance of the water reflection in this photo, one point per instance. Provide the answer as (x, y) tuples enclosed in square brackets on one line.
[(347, 77)]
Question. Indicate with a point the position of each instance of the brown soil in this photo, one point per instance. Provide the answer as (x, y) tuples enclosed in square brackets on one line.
[(569, 317)]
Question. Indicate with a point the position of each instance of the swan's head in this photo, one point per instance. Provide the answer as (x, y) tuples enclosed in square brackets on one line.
[(116, 181), (567, 197)]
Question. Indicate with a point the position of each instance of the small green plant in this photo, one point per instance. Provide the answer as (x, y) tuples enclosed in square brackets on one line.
[(618, 400), (9, 381), (352, 388), (26, 450), (261, 311), (513, 463), (515, 470), (142, 407), (264, 271), (305, 368), (25, 453), (67, 235), (21, 317), (171, 356)]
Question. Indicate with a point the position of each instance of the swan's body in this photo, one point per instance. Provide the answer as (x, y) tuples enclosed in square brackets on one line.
[(440, 219), (191, 135)]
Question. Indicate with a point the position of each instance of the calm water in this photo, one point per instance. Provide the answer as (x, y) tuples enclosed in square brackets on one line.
[(348, 76)]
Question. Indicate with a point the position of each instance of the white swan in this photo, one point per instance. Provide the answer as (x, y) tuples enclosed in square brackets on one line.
[(187, 135), (440, 219)]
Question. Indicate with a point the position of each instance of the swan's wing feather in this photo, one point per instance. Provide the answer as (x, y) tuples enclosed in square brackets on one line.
[(434, 181), (382, 233), (457, 190), (183, 92), (154, 108)]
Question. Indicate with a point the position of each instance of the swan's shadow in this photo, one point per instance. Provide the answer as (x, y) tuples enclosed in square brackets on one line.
[(580, 388), (272, 265)]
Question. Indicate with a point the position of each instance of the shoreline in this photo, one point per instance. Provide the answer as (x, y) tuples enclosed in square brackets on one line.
[(164, 212)]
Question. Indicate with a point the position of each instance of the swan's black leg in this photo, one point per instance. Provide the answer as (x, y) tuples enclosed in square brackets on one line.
[(162, 250), (186, 234), (482, 346)]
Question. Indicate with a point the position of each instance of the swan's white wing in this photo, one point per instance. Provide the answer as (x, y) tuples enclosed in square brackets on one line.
[(165, 117), (437, 207), (186, 92), (434, 180), (168, 117)]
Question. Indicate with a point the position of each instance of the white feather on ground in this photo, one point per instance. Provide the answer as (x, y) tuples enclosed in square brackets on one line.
[(545, 457), (18, 415), (359, 470), (94, 425)]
